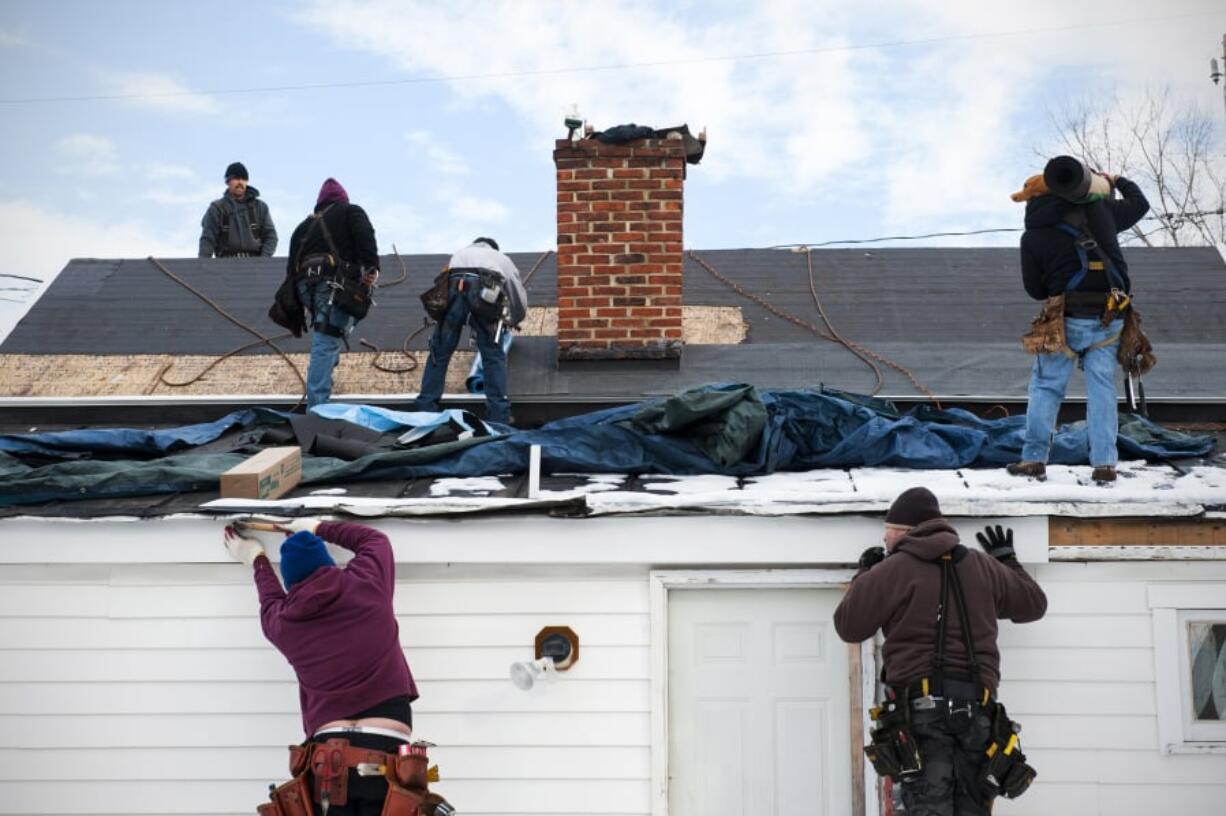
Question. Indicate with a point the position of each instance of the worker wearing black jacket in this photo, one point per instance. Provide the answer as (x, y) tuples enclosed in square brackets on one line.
[(337, 233), (1049, 255), (1071, 249)]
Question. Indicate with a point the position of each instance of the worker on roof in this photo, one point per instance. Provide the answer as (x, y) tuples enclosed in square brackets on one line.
[(937, 604), (483, 291), (331, 272), (1071, 259), (237, 225), (337, 628)]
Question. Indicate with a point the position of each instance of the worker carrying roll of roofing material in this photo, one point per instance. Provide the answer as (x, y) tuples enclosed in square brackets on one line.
[(939, 730), (337, 628), (1071, 260)]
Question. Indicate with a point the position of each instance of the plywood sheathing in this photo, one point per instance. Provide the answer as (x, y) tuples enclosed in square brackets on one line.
[(700, 325), (1073, 532), (87, 375)]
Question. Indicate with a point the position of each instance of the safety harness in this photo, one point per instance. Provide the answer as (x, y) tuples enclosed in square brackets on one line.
[(255, 224), (1075, 226)]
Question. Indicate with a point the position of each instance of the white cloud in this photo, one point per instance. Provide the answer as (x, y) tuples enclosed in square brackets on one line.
[(11, 38), (41, 241), (933, 132), (440, 159), (159, 91), (86, 154), (477, 210)]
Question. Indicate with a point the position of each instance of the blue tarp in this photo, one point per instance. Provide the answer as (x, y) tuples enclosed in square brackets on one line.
[(803, 430)]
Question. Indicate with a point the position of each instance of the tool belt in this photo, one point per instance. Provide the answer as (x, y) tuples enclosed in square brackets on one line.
[(1005, 773), (892, 749), (435, 299), (347, 291), (320, 773), (953, 689)]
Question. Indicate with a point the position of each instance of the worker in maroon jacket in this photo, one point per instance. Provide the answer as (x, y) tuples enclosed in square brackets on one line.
[(941, 670), (337, 629)]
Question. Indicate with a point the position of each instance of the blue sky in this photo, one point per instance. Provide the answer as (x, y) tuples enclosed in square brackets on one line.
[(864, 137)]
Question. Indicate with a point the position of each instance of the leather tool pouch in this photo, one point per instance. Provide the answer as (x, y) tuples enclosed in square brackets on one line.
[(1046, 335), (330, 772), (491, 300), (435, 299), (893, 752), (410, 771), (292, 798), (402, 802), (351, 295), (1136, 354), (1005, 773), (316, 266)]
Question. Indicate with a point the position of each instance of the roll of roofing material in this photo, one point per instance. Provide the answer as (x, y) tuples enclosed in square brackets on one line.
[(1072, 179), (475, 383)]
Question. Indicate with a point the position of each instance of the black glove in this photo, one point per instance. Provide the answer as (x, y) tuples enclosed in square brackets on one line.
[(871, 556), (997, 542)]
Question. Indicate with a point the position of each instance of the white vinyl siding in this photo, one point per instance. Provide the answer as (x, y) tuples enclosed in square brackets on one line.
[(1081, 683), (150, 690)]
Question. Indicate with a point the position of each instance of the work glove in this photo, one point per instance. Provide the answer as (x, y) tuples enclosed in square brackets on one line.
[(997, 542), (242, 549), (871, 556), (299, 525)]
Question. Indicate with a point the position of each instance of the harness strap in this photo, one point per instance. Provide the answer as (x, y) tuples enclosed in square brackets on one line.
[(949, 576)]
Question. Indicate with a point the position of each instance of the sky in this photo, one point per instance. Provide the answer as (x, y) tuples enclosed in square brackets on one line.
[(826, 120)]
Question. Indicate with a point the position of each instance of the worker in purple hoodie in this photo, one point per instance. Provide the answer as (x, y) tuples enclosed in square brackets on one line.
[(336, 627)]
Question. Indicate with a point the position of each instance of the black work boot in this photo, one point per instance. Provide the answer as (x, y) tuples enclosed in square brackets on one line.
[(1104, 474), (1037, 470)]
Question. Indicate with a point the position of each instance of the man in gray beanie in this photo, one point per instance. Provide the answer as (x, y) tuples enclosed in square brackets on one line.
[(942, 664), (237, 225)]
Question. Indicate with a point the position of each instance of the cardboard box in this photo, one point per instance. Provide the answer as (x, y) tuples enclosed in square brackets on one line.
[(269, 474)]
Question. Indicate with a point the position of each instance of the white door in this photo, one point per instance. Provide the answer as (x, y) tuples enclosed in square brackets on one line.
[(758, 704)]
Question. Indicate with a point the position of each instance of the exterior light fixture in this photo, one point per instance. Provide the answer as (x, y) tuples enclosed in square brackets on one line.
[(557, 649)]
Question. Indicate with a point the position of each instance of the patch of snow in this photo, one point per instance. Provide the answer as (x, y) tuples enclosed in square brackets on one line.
[(482, 485)]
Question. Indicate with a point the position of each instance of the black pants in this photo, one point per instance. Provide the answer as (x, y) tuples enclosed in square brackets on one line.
[(952, 750), (366, 793)]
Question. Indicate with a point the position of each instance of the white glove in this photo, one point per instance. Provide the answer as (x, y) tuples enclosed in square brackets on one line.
[(242, 549), (299, 525)]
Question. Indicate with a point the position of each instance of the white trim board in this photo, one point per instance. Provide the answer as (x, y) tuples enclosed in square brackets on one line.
[(696, 540), (660, 583)]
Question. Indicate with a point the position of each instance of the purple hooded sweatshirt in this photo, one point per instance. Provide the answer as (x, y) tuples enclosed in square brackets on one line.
[(337, 628)]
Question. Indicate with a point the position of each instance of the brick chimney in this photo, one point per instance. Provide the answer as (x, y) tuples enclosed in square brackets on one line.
[(619, 249)]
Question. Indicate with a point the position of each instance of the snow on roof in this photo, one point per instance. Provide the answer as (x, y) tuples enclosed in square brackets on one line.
[(1142, 490)]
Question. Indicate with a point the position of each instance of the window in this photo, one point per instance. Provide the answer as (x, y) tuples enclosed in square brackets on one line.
[(1190, 666)]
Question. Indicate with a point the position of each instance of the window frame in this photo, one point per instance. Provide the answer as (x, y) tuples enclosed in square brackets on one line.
[(1173, 606)]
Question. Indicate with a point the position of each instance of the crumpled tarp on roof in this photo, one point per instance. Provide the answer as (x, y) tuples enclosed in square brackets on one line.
[(733, 430)]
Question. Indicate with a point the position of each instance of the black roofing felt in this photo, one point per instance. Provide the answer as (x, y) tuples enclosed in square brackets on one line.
[(951, 315)]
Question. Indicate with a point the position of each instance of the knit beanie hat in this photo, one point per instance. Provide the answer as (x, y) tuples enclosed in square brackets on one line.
[(302, 554), (236, 170), (331, 192), (913, 506)]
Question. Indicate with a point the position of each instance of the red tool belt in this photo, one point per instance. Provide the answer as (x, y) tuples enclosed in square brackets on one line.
[(320, 773)]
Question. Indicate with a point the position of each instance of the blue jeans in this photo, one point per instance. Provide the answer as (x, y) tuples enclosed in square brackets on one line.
[(1049, 379), (460, 311), (329, 325)]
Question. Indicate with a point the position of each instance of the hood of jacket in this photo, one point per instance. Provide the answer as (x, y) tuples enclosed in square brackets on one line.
[(1046, 211), (928, 541), (315, 595), (250, 195)]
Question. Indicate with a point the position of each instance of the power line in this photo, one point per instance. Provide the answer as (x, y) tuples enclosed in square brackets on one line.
[(1166, 220), (761, 55)]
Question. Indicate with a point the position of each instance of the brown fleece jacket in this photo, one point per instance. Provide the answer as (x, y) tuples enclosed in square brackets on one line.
[(899, 596)]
